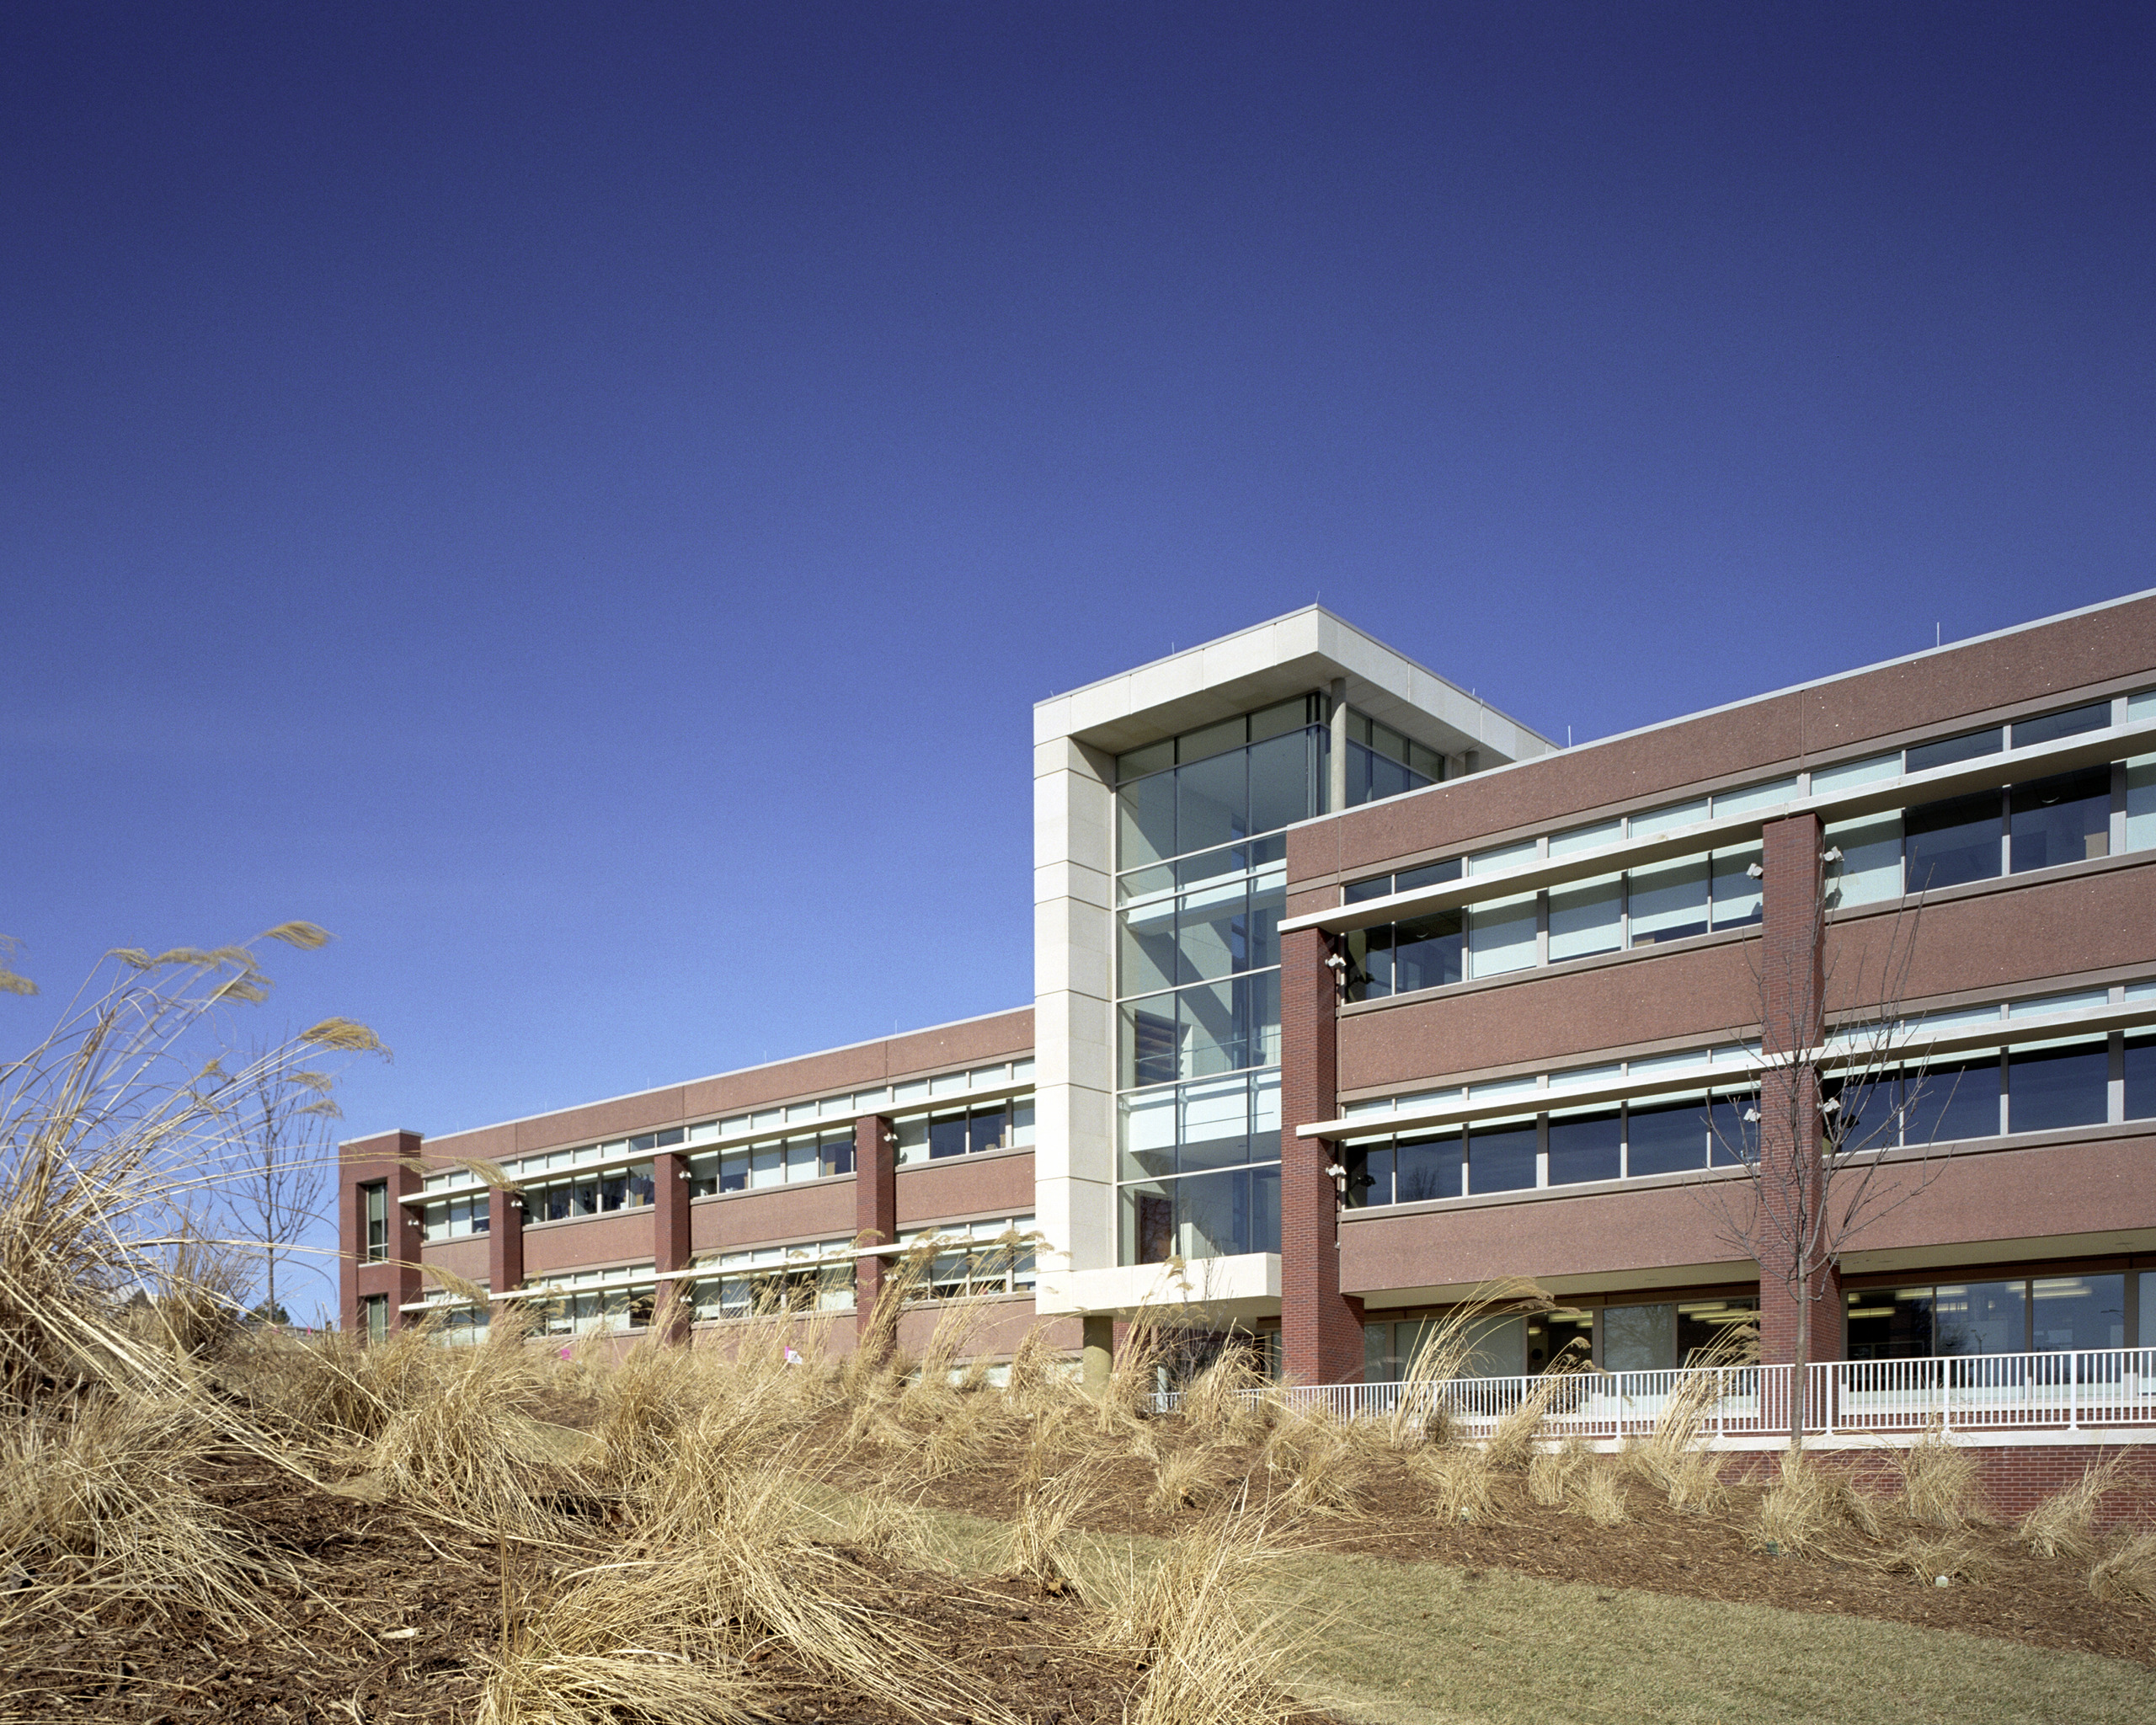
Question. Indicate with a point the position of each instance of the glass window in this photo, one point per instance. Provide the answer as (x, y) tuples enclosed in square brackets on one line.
[(1732, 1138), (1639, 1337), (2066, 818), (1501, 936), (988, 1129), (1890, 1323), (1870, 868), (1427, 1167), (1146, 820), (1827, 781), (1215, 1131), (946, 1136), (1355, 892), (1424, 874), (1586, 918), (375, 1198), (2079, 1311), (1586, 1147), (1369, 1174), (2141, 802), (1586, 838), (1736, 896), (1222, 1214), (1212, 934), (2141, 1089), (1980, 1317), (1766, 796), (1668, 901), (1651, 821), (2146, 1336), (1947, 750), (766, 1165), (1497, 1347), (1665, 1138), (734, 1171), (1953, 841), (1213, 801), (1022, 1123), (1152, 758), (1501, 1158), (1284, 784), (1952, 1100), (1148, 950), (1147, 1135), (834, 1155), (376, 1317), (1703, 1324), (2049, 1089), (1426, 952), (2072, 722)]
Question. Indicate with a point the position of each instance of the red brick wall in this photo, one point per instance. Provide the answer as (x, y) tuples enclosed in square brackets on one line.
[(362, 1162), (1792, 1198), (2013, 1480), (1320, 1328), (875, 1206)]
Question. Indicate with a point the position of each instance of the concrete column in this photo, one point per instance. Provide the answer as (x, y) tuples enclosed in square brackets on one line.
[(1320, 1328), (390, 1159), (1099, 1354), (1336, 716), (670, 1243), (875, 1208), (1792, 1006)]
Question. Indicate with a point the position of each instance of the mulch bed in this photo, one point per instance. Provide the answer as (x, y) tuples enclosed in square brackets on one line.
[(408, 1607), (2024, 1598)]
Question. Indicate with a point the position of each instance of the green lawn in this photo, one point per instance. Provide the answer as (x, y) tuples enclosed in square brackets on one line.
[(1421, 1644)]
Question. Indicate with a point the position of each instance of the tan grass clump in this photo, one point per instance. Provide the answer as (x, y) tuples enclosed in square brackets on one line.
[(1939, 1484), (1957, 1557), (463, 1447), (2064, 1524), (1316, 1466), (1514, 1442), (1548, 1472), (1231, 1401), (2127, 1574), (1217, 1645), (1036, 1530), (99, 1509), (751, 1578), (1456, 1480), (1421, 1413), (1597, 1492), (1185, 1479), (1806, 1505)]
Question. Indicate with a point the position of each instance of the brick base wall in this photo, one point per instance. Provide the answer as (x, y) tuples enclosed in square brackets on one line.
[(2015, 1479)]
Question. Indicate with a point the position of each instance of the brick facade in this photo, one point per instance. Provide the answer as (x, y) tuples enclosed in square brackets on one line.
[(387, 1160), (876, 1207), (1793, 1203), (1320, 1327)]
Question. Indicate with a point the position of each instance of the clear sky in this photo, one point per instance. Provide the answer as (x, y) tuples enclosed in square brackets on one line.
[(579, 499)]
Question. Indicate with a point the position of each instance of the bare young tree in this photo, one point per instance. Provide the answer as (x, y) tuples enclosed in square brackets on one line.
[(280, 1181), (1813, 1136)]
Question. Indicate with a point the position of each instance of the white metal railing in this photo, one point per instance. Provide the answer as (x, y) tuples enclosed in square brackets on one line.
[(2100, 1386)]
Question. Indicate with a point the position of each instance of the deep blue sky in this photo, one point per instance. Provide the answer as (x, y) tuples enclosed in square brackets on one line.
[(579, 499)]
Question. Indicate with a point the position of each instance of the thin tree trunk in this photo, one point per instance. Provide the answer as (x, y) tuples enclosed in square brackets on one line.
[(1801, 1359)]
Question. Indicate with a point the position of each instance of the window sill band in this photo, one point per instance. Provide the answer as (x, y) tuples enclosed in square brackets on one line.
[(1989, 772), (1732, 1074)]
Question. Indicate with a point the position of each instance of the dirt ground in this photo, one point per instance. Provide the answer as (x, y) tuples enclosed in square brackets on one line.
[(2037, 1601), (405, 1610)]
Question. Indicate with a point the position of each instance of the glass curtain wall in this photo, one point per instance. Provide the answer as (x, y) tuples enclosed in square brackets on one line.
[(1202, 875)]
